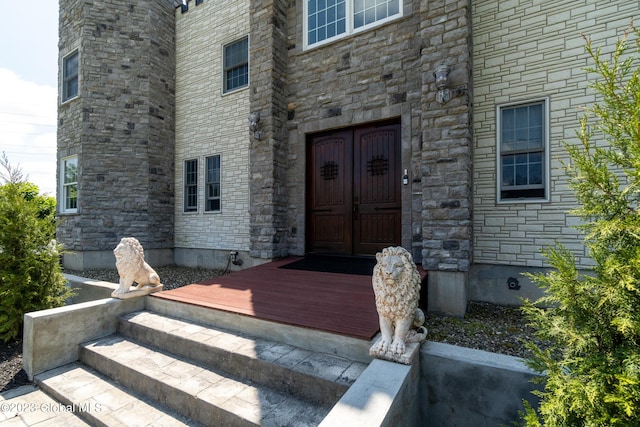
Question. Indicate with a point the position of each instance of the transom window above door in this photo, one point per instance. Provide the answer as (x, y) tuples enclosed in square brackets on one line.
[(327, 20)]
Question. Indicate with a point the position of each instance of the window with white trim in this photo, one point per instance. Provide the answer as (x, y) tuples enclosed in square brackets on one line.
[(212, 184), (191, 185), (236, 65), (522, 151), (70, 76), (69, 184), (326, 20)]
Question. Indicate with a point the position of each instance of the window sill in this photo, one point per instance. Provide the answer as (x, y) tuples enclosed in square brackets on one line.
[(234, 91), (68, 101), (522, 201)]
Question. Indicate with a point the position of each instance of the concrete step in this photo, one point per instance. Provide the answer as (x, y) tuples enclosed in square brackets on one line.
[(316, 377), (197, 392), (100, 401), (297, 336)]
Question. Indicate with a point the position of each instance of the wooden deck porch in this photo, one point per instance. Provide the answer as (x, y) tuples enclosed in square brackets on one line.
[(337, 303)]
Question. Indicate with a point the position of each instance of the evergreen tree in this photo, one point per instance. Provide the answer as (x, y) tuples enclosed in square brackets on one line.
[(31, 276), (592, 369)]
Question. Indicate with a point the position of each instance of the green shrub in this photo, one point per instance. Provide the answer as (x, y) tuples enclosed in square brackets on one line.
[(31, 276), (592, 369)]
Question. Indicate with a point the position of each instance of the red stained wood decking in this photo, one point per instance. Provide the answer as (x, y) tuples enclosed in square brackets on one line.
[(337, 303)]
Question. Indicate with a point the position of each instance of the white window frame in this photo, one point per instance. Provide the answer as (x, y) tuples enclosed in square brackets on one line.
[(66, 78), (546, 174), (349, 30), (186, 207), (65, 186), (225, 90), (207, 183)]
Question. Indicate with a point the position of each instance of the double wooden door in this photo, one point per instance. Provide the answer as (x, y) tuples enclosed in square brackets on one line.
[(353, 190)]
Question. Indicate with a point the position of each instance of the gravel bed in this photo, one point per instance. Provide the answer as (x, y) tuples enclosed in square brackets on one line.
[(11, 372), (485, 326), (171, 277)]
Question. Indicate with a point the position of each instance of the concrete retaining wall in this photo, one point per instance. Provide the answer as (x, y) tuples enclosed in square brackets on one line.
[(383, 396), (52, 337), (449, 385), (462, 387), (88, 290)]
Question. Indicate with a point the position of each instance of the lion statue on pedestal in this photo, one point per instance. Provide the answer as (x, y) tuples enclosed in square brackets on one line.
[(132, 266), (396, 285)]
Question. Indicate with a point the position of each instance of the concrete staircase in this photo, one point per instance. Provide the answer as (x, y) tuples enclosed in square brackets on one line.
[(162, 370)]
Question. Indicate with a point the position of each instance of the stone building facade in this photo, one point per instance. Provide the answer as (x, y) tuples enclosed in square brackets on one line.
[(119, 128), (170, 62)]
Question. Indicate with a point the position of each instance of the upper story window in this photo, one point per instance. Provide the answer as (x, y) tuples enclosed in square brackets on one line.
[(330, 19), (70, 76), (212, 185), (69, 185), (191, 185), (522, 151), (236, 65)]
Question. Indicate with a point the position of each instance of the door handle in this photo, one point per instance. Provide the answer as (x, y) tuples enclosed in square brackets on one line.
[(355, 211)]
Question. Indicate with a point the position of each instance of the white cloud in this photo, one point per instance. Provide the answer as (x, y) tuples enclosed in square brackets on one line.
[(28, 114)]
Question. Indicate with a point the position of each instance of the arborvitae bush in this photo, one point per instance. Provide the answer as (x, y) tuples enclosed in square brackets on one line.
[(592, 369), (31, 276)]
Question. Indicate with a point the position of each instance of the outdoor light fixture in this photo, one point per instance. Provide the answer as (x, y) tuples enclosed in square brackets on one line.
[(254, 125), (441, 74), (444, 95)]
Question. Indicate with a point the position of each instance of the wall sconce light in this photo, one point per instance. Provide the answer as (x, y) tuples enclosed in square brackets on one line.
[(441, 74), (445, 94), (254, 125)]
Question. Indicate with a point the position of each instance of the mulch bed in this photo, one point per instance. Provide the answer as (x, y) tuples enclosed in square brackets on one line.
[(11, 373)]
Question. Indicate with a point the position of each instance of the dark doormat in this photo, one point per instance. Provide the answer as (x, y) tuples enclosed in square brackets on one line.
[(334, 264)]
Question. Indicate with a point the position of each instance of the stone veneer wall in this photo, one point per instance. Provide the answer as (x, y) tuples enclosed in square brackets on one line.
[(446, 138), (367, 77), (523, 52), (209, 123), (268, 155), (121, 125)]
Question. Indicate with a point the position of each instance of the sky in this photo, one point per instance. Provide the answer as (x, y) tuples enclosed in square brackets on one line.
[(28, 89)]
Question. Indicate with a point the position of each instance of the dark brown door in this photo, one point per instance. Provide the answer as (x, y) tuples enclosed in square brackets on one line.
[(376, 189), (329, 194), (353, 191)]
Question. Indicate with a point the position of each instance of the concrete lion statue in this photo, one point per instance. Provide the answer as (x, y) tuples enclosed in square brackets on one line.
[(396, 285), (132, 266)]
